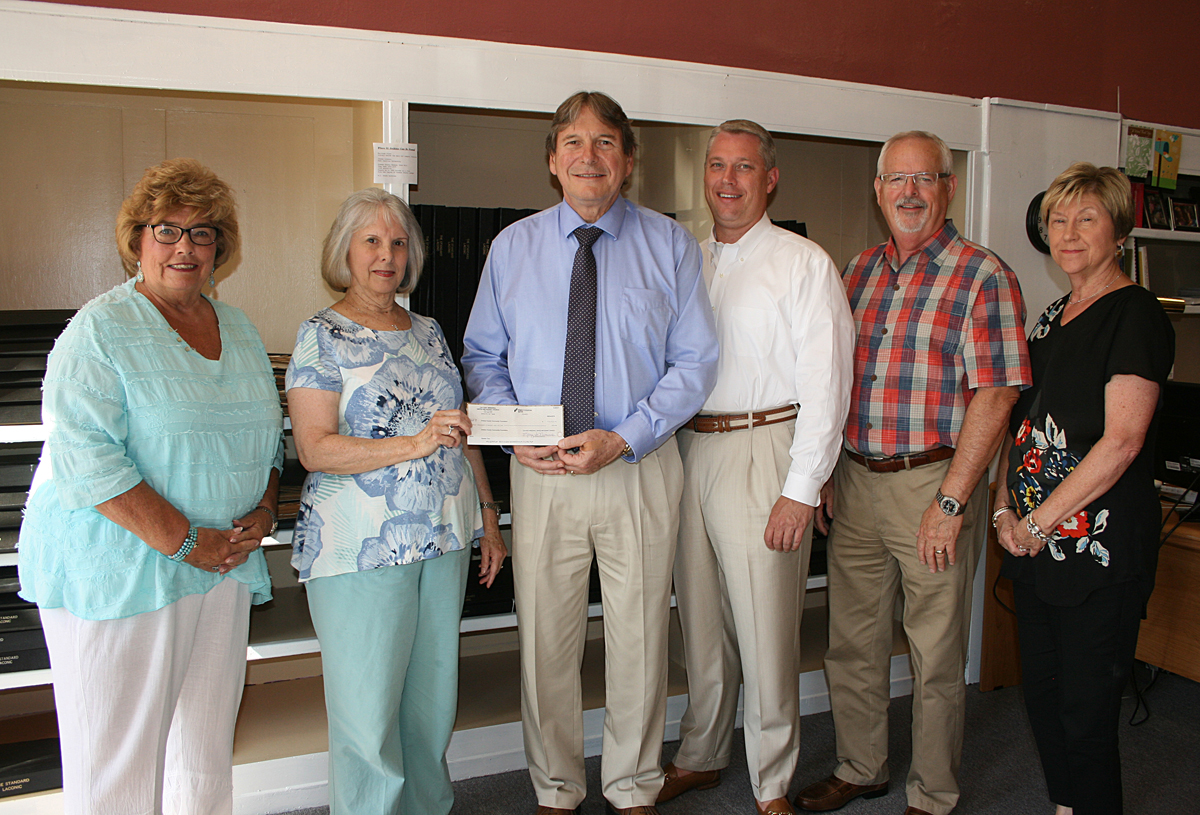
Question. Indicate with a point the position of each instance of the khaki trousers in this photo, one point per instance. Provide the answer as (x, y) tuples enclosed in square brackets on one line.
[(739, 605), (628, 516), (872, 556)]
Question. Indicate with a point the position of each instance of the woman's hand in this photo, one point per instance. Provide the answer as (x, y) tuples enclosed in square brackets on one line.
[(221, 550), (492, 550), (322, 448), (1015, 536), (446, 428)]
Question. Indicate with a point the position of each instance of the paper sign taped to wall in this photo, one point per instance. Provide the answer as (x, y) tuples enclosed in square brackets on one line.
[(395, 163)]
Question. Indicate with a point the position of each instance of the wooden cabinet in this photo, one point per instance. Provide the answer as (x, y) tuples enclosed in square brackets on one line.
[(1170, 634)]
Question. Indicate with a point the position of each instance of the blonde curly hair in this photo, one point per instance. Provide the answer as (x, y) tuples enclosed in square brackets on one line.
[(170, 186)]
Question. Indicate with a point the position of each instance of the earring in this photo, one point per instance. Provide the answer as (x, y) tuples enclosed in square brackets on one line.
[(212, 279), (140, 277)]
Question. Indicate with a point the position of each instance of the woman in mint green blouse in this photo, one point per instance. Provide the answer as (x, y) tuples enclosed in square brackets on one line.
[(157, 484)]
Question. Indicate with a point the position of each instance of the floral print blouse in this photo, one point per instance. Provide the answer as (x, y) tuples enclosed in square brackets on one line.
[(390, 382), (1055, 424)]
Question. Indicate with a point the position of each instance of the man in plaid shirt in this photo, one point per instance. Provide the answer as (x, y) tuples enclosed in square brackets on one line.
[(940, 359)]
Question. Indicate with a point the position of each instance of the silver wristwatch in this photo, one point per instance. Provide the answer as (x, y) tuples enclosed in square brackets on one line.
[(948, 505)]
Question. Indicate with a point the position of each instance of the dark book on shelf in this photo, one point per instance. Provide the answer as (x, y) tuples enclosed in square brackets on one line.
[(30, 659), (421, 299), (489, 226), (11, 600), (468, 276), (445, 271), (508, 216), (799, 227), (26, 640), (30, 766), (20, 619), (10, 583)]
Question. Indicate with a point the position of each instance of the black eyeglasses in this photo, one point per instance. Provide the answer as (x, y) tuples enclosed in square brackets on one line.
[(169, 233)]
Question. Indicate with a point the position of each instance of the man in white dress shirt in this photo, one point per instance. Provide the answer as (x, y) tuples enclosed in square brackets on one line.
[(754, 460)]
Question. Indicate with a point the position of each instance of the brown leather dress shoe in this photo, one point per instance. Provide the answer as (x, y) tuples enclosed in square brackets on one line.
[(776, 806), (541, 810), (834, 793), (639, 810), (915, 811), (675, 784)]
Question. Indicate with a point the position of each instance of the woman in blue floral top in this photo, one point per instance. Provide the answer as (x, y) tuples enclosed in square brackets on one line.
[(387, 514), (1077, 510)]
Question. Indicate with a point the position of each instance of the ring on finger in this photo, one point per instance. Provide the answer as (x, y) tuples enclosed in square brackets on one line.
[(939, 551)]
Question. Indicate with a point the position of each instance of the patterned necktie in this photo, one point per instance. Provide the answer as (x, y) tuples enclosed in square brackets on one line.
[(579, 360)]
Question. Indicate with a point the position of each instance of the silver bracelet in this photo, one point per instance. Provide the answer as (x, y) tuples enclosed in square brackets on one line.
[(996, 515), (1035, 530), (490, 505), (189, 543)]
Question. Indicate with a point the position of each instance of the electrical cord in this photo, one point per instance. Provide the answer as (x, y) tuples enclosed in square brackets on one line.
[(1140, 694)]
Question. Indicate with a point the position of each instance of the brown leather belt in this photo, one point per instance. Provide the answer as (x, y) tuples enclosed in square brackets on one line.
[(897, 463), (726, 422)]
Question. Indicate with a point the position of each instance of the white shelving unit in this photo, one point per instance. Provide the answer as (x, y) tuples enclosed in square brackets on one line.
[(1172, 236)]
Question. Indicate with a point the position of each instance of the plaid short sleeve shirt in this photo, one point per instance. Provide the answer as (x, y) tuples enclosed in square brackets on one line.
[(950, 320)]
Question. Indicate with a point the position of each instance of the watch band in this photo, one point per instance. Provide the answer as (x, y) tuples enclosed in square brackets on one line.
[(274, 519), (492, 505)]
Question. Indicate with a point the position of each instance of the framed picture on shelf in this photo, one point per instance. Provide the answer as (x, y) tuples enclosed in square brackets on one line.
[(1183, 216), (1158, 210)]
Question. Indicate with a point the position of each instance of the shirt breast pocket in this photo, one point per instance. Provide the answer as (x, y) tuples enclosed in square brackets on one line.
[(756, 328), (645, 318), (938, 330)]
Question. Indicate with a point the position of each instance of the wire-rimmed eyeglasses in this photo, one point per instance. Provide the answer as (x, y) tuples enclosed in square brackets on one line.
[(920, 179)]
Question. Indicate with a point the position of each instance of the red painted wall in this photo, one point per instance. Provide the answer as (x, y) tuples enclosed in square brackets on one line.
[(1085, 53)]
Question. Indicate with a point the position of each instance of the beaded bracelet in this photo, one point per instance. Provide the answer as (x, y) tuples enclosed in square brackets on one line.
[(189, 543), (1035, 530)]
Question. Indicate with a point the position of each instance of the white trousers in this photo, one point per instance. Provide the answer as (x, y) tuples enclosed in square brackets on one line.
[(147, 705), (739, 605)]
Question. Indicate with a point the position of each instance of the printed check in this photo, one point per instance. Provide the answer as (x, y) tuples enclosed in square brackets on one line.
[(509, 425)]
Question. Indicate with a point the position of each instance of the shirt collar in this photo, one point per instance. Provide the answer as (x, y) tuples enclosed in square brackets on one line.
[(610, 222), (935, 247), (748, 241)]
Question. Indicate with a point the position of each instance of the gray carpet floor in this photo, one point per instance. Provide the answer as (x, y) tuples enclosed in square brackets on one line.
[(1001, 774)]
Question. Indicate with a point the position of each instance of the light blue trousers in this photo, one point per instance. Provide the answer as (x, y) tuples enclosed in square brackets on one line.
[(389, 649)]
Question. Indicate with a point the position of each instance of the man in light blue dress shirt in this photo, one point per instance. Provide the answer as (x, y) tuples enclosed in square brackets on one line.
[(655, 363)]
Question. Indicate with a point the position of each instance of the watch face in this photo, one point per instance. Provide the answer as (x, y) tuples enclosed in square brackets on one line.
[(1035, 225), (948, 505)]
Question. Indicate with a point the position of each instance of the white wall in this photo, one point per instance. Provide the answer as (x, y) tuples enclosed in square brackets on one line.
[(1026, 146)]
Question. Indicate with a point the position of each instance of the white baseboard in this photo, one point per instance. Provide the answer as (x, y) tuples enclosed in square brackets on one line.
[(285, 784)]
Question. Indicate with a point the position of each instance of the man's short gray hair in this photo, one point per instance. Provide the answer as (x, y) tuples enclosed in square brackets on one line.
[(942, 148), (766, 144)]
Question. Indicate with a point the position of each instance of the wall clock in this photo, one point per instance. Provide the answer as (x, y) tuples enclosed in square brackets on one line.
[(1035, 225)]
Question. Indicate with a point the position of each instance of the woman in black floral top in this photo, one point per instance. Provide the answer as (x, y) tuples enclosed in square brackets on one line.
[(1077, 510)]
